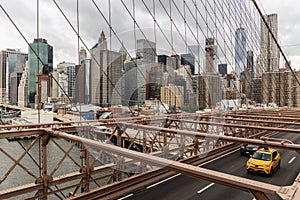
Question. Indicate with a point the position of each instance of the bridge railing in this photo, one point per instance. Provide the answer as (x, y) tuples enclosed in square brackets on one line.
[(60, 164)]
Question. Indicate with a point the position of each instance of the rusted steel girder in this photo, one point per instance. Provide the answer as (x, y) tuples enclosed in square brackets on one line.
[(244, 126), (284, 145), (270, 118), (194, 171)]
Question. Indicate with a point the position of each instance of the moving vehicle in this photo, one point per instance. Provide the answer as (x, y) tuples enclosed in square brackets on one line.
[(248, 149), (264, 160)]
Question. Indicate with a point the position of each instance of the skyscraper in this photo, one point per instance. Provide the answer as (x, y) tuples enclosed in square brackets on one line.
[(45, 53), (11, 61), (146, 57), (83, 82), (188, 59), (105, 74), (269, 53), (129, 83), (83, 79), (240, 56), (69, 70), (146, 50), (209, 90), (60, 87), (155, 77), (195, 50), (15, 79), (23, 88)]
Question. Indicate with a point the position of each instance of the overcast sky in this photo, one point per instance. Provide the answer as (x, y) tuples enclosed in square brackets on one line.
[(59, 34)]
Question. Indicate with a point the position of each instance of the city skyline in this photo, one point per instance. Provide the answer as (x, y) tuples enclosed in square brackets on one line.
[(67, 50)]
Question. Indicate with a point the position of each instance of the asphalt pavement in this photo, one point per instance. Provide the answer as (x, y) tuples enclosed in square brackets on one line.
[(181, 187)]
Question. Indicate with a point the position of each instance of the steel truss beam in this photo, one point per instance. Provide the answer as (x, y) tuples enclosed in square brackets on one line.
[(194, 171)]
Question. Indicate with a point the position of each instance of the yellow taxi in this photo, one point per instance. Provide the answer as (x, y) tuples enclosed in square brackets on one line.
[(264, 160)]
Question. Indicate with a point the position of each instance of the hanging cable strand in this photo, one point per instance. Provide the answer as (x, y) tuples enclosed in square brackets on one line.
[(230, 6), (263, 59), (175, 4), (144, 35), (239, 20), (82, 41), (231, 29), (183, 17), (171, 45), (275, 40), (166, 38), (34, 52), (221, 20), (148, 42), (120, 41), (154, 24), (211, 31), (272, 79), (257, 47), (173, 24)]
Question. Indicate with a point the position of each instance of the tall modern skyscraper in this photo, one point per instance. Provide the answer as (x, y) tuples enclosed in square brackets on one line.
[(45, 53), (11, 61), (129, 83), (195, 50), (105, 74), (155, 77), (188, 59), (240, 56), (146, 50), (146, 57), (69, 70), (23, 88), (15, 79), (83, 79), (269, 53), (83, 82), (209, 90)]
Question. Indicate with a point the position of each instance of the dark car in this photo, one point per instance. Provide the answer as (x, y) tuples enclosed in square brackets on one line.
[(248, 149)]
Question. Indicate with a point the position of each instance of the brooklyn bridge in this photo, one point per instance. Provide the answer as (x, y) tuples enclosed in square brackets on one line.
[(167, 116)]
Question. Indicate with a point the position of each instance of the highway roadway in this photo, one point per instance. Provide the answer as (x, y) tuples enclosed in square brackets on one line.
[(181, 187)]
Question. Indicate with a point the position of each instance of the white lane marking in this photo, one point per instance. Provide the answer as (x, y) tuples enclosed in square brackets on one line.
[(218, 157), (126, 197), (155, 184), (205, 188), (292, 159)]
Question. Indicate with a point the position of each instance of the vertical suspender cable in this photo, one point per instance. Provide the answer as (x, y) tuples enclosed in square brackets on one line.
[(38, 54), (38, 51), (171, 23), (78, 44), (197, 38), (185, 36), (109, 67), (154, 24)]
